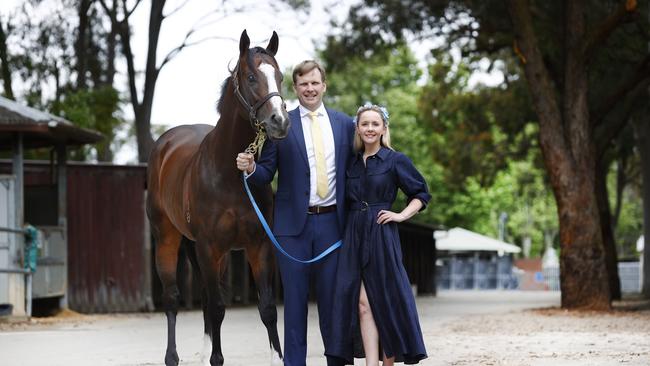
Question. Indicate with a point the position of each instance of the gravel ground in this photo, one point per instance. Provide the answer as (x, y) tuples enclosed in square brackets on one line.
[(460, 328)]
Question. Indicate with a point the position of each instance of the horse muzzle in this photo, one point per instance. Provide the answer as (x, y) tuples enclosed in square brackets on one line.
[(277, 126)]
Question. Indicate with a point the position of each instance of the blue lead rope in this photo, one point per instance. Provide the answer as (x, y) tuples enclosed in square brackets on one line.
[(327, 251)]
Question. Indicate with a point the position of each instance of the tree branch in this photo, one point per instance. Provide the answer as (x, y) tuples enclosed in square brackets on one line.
[(607, 26), (640, 75), (173, 53), (195, 28), (135, 6), (175, 10), (108, 11), (610, 130)]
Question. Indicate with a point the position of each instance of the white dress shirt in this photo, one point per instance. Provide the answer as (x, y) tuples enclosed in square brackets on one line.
[(330, 157)]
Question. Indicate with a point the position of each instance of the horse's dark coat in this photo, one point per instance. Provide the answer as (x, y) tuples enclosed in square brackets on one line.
[(196, 198)]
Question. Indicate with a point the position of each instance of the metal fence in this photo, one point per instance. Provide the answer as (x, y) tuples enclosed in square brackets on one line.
[(629, 275), (473, 273), (483, 273)]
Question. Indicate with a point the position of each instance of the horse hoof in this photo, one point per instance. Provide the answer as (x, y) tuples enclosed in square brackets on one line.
[(171, 359), (216, 360)]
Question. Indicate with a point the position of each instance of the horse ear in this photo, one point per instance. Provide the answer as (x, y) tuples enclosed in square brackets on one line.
[(272, 48), (244, 42)]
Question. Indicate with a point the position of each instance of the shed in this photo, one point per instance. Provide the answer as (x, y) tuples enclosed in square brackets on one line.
[(469, 260), (21, 128)]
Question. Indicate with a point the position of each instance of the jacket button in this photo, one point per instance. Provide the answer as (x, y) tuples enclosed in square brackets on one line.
[(306, 193)]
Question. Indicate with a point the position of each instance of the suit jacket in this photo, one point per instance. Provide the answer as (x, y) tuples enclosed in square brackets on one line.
[(289, 158)]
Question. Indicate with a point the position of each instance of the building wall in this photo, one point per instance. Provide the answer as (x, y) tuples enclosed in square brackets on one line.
[(107, 237), (108, 245)]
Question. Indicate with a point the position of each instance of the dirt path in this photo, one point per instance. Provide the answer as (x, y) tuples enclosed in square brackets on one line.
[(460, 328)]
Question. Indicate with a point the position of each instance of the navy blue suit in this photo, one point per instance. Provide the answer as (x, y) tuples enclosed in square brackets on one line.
[(302, 235)]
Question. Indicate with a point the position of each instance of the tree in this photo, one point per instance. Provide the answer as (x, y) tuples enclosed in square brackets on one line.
[(5, 68), (66, 68), (119, 13), (500, 175), (555, 47)]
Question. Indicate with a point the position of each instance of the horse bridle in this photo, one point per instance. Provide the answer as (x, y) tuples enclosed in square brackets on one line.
[(257, 125)]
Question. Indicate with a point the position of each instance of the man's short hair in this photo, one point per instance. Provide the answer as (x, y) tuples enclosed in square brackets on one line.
[(306, 67)]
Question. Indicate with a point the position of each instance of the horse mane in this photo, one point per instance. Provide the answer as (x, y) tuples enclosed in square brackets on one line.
[(224, 86)]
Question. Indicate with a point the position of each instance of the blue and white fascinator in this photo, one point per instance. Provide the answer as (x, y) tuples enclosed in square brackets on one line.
[(373, 107)]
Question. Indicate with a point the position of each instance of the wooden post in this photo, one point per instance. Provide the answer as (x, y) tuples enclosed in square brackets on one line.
[(61, 183)]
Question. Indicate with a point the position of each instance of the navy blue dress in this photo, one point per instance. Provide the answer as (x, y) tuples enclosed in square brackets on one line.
[(372, 253)]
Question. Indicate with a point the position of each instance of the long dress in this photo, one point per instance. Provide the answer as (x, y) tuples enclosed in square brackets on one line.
[(372, 253)]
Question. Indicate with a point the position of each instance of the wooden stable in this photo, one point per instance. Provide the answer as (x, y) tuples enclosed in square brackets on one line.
[(23, 128)]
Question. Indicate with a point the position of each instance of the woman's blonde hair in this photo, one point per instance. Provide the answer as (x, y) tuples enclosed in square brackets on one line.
[(383, 112)]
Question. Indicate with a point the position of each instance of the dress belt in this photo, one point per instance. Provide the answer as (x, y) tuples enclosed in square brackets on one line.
[(315, 210), (363, 205)]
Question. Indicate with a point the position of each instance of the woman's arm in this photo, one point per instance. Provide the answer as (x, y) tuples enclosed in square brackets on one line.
[(411, 209)]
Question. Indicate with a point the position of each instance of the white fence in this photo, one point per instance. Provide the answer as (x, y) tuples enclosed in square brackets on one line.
[(628, 273), (467, 273)]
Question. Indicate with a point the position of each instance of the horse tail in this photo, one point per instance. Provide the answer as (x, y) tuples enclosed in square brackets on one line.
[(190, 248)]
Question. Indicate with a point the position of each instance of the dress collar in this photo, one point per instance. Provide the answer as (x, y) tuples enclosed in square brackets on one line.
[(381, 153)]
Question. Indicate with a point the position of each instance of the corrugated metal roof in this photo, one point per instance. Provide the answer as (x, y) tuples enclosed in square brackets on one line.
[(39, 129)]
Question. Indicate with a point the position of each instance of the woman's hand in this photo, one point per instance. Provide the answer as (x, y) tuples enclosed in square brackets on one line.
[(386, 216)]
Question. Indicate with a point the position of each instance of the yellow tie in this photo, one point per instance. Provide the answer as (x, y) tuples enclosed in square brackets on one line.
[(319, 154)]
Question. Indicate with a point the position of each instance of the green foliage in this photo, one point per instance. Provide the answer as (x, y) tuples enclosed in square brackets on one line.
[(474, 146), (95, 109), (475, 131)]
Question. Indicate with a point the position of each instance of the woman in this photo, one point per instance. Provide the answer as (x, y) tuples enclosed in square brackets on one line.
[(372, 288)]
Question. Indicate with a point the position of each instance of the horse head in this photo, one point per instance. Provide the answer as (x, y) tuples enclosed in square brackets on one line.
[(257, 81)]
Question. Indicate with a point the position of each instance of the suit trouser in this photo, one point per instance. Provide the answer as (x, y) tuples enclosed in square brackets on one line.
[(319, 233)]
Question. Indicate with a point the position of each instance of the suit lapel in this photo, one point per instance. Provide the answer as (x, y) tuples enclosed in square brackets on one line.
[(298, 135)]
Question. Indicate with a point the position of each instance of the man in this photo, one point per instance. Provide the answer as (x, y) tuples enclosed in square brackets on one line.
[(309, 203)]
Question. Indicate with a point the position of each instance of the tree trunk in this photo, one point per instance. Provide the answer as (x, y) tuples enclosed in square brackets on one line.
[(142, 110), (151, 77), (5, 70), (111, 45), (567, 147), (642, 131), (607, 229), (81, 44)]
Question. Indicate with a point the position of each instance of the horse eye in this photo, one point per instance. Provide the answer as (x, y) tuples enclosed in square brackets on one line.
[(251, 78)]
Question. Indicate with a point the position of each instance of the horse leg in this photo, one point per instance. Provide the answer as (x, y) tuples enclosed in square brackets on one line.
[(207, 339), (261, 260), (213, 263), (167, 244)]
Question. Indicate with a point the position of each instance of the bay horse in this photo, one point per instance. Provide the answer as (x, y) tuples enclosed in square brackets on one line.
[(196, 197)]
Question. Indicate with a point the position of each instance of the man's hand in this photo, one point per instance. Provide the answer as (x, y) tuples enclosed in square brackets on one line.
[(245, 162)]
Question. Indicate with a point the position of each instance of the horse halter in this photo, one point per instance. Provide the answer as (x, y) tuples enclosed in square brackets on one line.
[(257, 125)]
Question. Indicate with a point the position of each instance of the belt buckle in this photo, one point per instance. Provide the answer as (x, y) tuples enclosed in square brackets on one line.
[(364, 206)]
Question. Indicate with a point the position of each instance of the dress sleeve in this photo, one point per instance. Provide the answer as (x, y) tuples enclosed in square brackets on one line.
[(410, 181)]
